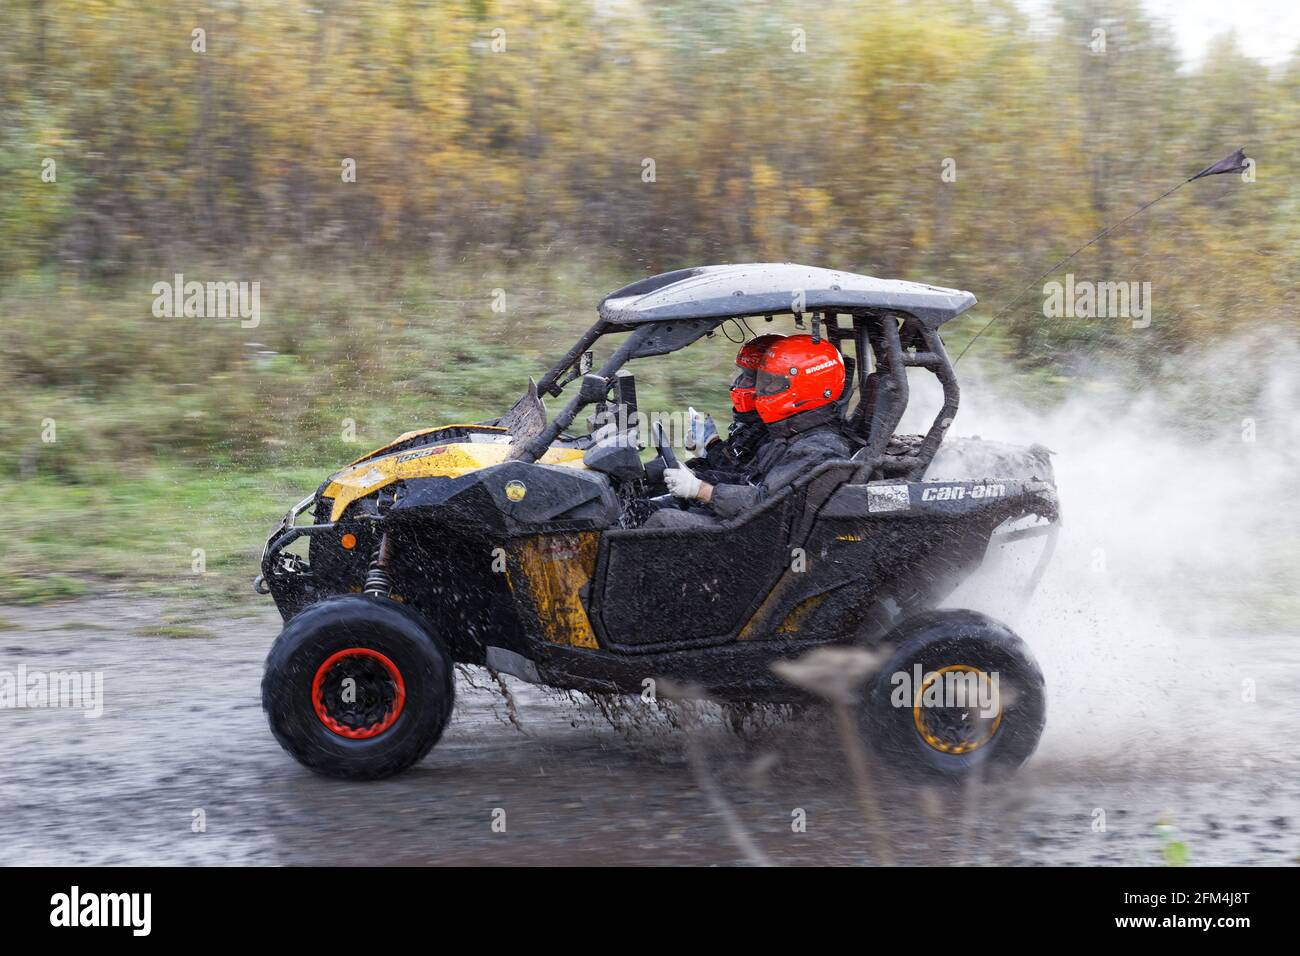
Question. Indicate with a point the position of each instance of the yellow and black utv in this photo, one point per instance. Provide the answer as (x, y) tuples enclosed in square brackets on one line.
[(516, 544)]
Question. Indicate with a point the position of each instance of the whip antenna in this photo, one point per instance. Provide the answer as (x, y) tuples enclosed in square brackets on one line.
[(1234, 163)]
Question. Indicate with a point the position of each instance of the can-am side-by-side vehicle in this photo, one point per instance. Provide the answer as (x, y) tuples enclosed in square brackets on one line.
[(516, 544)]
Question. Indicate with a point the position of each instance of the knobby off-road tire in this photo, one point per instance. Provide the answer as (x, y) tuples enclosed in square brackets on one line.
[(929, 742), (358, 687)]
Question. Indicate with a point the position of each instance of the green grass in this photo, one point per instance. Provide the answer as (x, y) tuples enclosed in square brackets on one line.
[(141, 530), (39, 588)]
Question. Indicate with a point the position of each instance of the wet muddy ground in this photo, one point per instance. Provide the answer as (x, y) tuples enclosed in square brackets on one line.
[(183, 740)]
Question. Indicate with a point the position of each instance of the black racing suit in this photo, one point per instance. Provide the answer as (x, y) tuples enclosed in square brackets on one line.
[(729, 459), (794, 448)]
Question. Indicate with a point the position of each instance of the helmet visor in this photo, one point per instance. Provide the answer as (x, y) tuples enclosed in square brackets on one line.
[(770, 383), (744, 378)]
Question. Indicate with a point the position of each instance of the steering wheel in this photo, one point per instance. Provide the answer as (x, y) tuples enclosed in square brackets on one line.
[(663, 447), (656, 467)]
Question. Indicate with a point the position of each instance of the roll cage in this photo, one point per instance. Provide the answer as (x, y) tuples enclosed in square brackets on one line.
[(894, 340)]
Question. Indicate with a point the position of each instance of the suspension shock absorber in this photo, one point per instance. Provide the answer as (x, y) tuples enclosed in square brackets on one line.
[(378, 582)]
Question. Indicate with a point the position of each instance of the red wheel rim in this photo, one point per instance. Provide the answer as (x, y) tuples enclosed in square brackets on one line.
[(362, 731)]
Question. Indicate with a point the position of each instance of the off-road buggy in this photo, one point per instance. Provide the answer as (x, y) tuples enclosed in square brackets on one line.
[(514, 544)]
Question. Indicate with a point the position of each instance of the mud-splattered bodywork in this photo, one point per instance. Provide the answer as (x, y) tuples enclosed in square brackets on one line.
[(520, 547)]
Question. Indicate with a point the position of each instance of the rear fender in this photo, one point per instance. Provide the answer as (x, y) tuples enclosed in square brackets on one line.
[(943, 499)]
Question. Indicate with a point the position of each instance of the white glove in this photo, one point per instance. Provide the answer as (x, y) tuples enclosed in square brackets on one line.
[(681, 481)]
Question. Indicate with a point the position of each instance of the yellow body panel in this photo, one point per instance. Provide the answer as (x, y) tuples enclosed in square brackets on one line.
[(407, 436), (440, 461), (548, 571), (793, 622)]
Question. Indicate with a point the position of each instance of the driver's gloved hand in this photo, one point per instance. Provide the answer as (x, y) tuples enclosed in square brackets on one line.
[(681, 482), (701, 432)]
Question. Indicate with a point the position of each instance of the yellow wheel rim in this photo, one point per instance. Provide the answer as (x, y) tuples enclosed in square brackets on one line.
[(970, 735)]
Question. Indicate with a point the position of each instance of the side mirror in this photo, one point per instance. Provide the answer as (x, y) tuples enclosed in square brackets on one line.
[(594, 389)]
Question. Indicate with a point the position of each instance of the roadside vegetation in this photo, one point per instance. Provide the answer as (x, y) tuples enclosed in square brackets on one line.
[(503, 183)]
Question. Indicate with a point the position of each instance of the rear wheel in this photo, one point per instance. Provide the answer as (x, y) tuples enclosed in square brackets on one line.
[(961, 691), (358, 687)]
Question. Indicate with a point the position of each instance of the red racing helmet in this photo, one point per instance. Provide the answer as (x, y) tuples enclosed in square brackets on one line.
[(797, 375), (748, 359)]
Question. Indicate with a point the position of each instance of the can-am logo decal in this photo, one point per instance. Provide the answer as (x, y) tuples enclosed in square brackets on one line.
[(960, 492), (888, 498)]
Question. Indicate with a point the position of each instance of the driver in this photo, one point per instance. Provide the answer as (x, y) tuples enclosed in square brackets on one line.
[(796, 389), (728, 459)]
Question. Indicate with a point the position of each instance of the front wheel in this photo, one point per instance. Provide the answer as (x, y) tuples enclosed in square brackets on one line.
[(961, 691), (357, 687)]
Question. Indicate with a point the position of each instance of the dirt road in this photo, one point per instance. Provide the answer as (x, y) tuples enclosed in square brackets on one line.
[(180, 768)]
